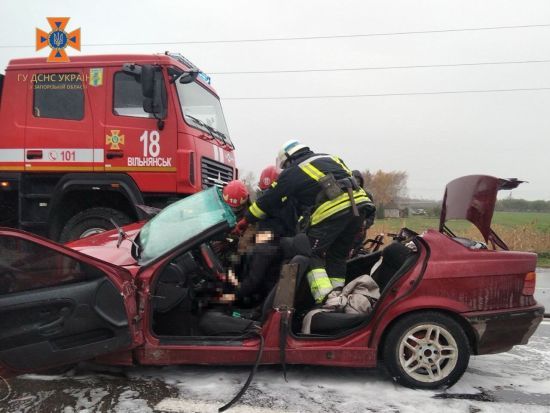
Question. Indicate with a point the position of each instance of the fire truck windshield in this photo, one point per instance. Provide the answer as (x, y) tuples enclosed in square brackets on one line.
[(202, 110)]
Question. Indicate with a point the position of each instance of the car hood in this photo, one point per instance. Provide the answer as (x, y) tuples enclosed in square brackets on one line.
[(473, 198), (103, 246)]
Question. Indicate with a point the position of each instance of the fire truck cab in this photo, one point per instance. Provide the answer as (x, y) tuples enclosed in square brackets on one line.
[(89, 140)]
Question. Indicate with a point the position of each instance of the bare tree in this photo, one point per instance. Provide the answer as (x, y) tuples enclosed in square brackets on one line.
[(251, 181)]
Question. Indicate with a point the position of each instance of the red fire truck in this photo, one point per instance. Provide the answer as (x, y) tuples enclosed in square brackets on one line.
[(90, 140)]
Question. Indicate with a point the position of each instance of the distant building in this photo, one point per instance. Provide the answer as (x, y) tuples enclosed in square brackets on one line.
[(391, 213), (393, 210)]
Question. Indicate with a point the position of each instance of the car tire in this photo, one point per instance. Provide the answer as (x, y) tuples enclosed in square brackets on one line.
[(427, 350), (92, 221)]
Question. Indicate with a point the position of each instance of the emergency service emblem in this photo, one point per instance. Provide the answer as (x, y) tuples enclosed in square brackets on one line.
[(96, 76), (58, 39), (115, 139)]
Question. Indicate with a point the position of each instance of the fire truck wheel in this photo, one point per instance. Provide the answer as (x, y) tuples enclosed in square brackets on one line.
[(427, 350), (92, 221)]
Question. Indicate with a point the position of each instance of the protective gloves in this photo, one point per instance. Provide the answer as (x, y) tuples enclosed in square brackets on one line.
[(240, 227)]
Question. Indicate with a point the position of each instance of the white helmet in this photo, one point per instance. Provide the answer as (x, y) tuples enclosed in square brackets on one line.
[(287, 150)]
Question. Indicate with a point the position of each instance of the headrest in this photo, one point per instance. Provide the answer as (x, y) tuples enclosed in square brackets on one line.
[(396, 253)]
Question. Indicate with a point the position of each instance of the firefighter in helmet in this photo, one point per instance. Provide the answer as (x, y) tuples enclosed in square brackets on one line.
[(236, 195), (268, 177), (332, 204), (283, 222)]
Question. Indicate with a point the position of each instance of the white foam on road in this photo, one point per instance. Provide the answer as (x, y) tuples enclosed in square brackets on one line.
[(525, 369), (172, 405)]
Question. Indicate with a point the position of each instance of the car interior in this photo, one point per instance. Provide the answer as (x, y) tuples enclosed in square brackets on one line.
[(184, 300)]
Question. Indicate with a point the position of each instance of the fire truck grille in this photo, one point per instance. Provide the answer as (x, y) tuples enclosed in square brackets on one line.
[(215, 173)]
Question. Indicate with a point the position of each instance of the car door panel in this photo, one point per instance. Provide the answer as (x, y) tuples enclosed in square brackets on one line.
[(58, 306), (40, 328)]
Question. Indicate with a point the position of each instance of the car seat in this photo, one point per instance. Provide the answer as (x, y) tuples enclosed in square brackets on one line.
[(395, 257)]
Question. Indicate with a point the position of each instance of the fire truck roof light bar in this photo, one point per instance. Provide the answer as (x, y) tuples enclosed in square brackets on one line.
[(182, 59)]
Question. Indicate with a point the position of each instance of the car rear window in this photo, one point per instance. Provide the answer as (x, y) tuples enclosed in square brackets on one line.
[(58, 96)]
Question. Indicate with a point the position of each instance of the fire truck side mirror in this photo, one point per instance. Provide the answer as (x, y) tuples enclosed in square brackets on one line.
[(147, 80), (188, 77), (155, 100)]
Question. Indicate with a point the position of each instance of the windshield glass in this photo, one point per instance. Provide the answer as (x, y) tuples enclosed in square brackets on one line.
[(181, 221), (202, 109)]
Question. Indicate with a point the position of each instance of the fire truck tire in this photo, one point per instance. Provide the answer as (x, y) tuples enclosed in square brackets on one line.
[(92, 221)]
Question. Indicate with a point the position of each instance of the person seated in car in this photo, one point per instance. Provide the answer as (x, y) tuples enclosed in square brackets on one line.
[(258, 273), (259, 270), (248, 256)]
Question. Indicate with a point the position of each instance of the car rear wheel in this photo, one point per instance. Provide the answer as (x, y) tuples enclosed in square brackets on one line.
[(427, 351), (92, 221)]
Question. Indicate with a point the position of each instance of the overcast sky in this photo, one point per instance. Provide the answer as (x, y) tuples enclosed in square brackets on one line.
[(435, 138)]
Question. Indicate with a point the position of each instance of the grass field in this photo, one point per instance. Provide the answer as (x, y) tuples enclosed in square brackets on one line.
[(522, 231)]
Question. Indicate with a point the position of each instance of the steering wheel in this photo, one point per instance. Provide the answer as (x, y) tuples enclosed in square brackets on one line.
[(171, 289), (211, 260)]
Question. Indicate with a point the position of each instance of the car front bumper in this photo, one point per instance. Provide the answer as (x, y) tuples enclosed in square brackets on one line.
[(500, 331)]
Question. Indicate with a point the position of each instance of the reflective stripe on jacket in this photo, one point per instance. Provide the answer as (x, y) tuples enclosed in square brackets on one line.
[(300, 181), (333, 206)]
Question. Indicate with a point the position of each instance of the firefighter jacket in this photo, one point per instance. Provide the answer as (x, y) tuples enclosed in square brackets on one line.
[(300, 182)]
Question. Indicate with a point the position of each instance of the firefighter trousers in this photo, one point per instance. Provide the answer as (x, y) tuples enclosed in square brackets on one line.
[(331, 241)]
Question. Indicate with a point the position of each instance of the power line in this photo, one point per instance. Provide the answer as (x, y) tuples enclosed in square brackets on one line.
[(345, 69), (284, 39), (442, 92)]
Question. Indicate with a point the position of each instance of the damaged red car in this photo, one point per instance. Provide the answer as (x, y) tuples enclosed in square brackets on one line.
[(148, 294)]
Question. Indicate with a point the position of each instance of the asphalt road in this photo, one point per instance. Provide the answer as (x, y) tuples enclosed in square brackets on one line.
[(517, 381)]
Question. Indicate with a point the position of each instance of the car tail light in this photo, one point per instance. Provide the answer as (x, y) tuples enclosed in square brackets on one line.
[(529, 283)]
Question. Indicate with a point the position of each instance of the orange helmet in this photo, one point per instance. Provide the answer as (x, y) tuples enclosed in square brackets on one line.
[(235, 194), (268, 176)]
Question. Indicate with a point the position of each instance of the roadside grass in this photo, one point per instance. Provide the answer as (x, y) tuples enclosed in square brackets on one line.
[(522, 231), (544, 260)]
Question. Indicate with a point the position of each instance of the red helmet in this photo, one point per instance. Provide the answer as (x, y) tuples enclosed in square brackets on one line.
[(268, 176), (235, 194)]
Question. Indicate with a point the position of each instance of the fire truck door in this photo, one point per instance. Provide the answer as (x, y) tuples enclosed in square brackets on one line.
[(134, 142)]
